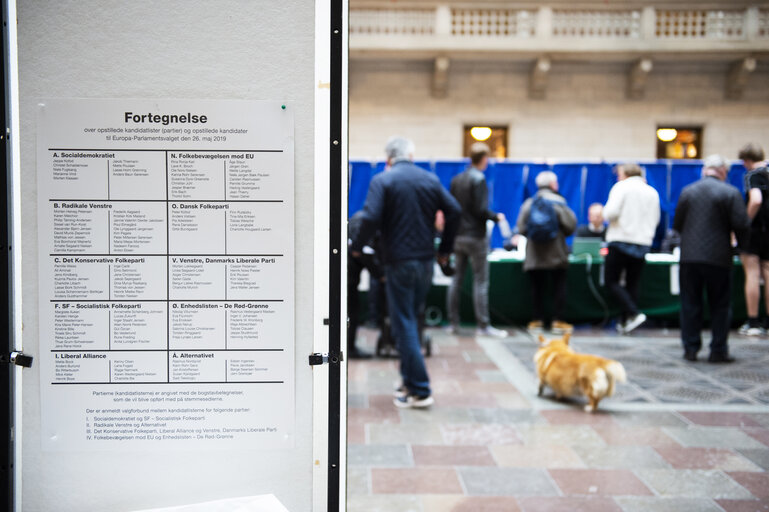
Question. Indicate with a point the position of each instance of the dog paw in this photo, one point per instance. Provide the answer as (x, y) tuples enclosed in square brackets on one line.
[(589, 408)]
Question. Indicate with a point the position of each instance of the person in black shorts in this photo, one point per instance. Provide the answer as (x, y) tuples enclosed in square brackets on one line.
[(755, 252)]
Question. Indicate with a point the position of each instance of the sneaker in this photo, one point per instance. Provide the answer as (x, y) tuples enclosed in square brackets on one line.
[(413, 402), (490, 331), (620, 327), (401, 391), (536, 325), (751, 330), (559, 327), (634, 322)]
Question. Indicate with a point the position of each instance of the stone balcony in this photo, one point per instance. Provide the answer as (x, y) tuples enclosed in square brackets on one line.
[(458, 30), (637, 34)]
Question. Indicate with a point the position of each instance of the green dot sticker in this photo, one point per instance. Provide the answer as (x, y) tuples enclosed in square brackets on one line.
[(283, 107)]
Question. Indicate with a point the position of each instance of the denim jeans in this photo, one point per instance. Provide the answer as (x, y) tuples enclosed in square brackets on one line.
[(476, 251), (407, 283)]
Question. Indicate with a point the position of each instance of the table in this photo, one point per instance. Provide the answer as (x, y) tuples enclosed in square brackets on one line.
[(510, 298)]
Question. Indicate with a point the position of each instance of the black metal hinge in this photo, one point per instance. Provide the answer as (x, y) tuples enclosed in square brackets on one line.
[(20, 359), (318, 358)]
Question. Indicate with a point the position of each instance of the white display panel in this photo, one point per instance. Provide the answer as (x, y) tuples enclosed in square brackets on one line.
[(166, 274)]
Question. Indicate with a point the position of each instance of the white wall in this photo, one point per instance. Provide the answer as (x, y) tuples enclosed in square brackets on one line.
[(239, 49), (585, 116)]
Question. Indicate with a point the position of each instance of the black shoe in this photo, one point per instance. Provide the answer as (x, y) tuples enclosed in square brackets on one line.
[(356, 353), (690, 356), (448, 269), (720, 359)]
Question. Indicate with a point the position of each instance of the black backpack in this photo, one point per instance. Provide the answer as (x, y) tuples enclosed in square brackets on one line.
[(542, 225)]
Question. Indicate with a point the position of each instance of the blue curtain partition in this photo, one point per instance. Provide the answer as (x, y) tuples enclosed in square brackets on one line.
[(581, 183)]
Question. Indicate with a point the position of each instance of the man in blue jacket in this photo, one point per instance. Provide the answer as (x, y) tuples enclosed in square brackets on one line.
[(402, 204)]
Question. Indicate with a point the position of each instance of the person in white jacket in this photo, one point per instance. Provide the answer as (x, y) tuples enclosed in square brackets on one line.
[(633, 212)]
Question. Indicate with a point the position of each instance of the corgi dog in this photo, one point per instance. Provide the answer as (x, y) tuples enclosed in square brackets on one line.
[(570, 374)]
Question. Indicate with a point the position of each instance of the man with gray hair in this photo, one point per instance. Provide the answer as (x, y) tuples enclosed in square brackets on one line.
[(472, 243), (546, 220), (707, 214), (402, 204)]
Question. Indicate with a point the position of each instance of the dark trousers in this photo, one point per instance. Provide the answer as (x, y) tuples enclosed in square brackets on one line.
[(627, 297), (539, 286), (354, 268), (474, 251), (717, 281)]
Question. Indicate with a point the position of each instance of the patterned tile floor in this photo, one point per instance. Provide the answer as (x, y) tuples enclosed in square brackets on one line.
[(678, 437), (658, 373)]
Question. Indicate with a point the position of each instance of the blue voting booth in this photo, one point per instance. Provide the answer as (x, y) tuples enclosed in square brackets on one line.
[(581, 184)]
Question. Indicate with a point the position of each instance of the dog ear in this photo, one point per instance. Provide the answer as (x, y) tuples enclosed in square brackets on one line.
[(566, 338), (541, 339)]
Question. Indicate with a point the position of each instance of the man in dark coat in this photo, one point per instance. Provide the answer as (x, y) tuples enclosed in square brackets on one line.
[(402, 203), (707, 214), (472, 243)]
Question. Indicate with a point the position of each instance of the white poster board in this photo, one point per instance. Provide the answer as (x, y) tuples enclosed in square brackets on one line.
[(231, 60), (166, 274)]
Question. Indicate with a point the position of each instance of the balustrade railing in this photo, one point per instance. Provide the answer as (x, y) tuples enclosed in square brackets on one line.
[(700, 24), (392, 21), (493, 22), (611, 24), (460, 22), (763, 23)]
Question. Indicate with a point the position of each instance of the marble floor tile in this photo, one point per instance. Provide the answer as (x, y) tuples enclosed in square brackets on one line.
[(358, 481), (756, 483), (634, 436), (693, 483), (439, 503), (720, 419), (506, 482), (570, 504), (757, 457), (712, 437), (480, 434), (415, 481), (562, 435), (744, 505), (599, 482), (706, 458), (384, 503), (523, 456), (452, 456), (379, 455), (404, 434), (643, 504), (620, 457)]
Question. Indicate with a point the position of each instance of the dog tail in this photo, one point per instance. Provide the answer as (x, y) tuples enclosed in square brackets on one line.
[(615, 372)]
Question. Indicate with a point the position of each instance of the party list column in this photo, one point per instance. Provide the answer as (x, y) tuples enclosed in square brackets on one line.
[(107, 265), (227, 256)]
